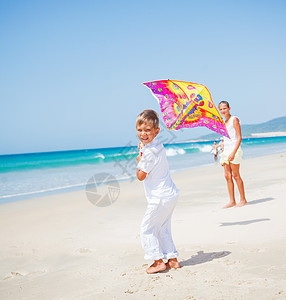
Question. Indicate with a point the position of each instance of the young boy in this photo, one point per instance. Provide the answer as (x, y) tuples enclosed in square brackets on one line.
[(161, 194)]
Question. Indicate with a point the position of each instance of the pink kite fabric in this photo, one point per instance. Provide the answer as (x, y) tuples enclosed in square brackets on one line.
[(186, 105)]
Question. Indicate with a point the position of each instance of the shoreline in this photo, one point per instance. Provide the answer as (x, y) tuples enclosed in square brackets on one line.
[(52, 245), (81, 187)]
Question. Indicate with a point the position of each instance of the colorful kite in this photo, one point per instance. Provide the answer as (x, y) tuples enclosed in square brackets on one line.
[(186, 104)]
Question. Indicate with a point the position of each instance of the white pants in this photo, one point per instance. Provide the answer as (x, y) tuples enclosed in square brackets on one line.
[(155, 230)]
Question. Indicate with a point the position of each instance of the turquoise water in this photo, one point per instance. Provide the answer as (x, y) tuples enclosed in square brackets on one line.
[(24, 176)]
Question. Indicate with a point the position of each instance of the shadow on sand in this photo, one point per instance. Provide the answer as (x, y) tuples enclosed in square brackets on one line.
[(259, 201), (201, 258), (244, 222)]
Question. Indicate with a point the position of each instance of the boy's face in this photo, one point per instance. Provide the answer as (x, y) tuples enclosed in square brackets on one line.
[(224, 109), (146, 133)]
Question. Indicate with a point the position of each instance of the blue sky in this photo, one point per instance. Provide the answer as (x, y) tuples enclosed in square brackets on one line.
[(71, 71)]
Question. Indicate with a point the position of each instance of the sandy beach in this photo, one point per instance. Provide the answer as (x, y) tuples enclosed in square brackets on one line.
[(64, 247)]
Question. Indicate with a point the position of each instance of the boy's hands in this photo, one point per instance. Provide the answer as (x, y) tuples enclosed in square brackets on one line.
[(140, 174), (140, 145)]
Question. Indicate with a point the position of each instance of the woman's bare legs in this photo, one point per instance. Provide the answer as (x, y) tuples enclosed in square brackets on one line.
[(239, 182), (230, 185)]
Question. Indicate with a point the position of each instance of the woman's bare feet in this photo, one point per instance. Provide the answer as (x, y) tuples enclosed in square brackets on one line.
[(157, 266), (241, 203), (173, 263), (230, 204)]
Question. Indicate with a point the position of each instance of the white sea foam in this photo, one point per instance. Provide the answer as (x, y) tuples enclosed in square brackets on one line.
[(99, 155), (41, 191), (206, 148), (125, 154), (175, 151)]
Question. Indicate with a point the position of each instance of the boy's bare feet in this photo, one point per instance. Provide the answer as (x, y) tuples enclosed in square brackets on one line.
[(173, 263), (230, 204), (241, 203), (157, 266)]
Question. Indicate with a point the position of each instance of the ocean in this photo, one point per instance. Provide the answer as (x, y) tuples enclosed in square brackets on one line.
[(23, 176)]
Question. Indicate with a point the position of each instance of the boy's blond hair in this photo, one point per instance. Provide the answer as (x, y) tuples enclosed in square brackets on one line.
[(148, 116)]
